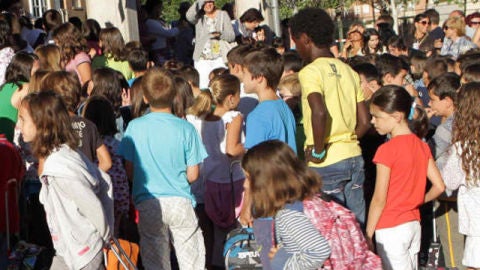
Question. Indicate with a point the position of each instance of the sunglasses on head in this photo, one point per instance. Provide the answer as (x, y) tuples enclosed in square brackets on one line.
[(424, 22)]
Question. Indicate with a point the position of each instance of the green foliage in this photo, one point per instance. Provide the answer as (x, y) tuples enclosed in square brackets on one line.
[(170, 8), (287, 7)]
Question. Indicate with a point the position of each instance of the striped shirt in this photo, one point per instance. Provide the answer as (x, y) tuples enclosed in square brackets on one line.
[(301, 246)]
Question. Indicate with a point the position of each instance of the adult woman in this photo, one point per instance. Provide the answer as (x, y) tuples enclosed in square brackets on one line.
[(455, 42), (161, 31), (73, 50), (354, 44), (418, 39), (371, 41), (212, 26), (246, 25)]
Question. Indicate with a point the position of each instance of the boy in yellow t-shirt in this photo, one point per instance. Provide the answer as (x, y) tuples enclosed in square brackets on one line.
[(334, 112)]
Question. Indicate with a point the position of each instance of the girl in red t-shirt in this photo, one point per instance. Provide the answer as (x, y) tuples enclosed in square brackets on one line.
[(403, 165)]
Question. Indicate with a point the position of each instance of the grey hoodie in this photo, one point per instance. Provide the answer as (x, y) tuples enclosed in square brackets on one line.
[(78, 201)]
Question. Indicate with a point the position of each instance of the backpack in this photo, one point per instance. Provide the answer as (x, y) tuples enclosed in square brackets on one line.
[(241, 251), (338, 225)]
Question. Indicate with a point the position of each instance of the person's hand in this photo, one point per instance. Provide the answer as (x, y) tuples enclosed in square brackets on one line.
[(430, 112), (272, 252), (309, 157), (126, 100), (437, 44), (245, 217)]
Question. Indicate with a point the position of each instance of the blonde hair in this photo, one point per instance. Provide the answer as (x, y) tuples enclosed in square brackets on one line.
[(292, 84), (458, 24), (220, 88), (49, 57)]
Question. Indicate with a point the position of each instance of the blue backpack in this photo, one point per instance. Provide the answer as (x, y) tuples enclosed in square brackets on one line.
[(241, 251)]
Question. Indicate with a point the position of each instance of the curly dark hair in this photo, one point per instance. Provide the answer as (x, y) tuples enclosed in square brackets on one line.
[(308, 21), (5, 33), (466, 130)]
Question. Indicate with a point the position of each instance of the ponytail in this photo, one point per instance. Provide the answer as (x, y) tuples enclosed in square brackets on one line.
[(202, 105)]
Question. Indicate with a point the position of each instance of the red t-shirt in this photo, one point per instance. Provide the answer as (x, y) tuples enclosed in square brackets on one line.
[(11, 166), (407, 157)]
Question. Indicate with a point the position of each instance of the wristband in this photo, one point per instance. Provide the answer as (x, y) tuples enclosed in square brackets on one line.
[(318, 155)]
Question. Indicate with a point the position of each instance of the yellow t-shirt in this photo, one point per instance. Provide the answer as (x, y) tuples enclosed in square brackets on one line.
[(340, 87)]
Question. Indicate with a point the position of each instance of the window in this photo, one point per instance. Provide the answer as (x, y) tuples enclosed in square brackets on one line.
[(76, 4), (38, 7)]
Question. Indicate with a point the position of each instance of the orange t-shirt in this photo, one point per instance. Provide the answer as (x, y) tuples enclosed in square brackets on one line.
[(407, 157)]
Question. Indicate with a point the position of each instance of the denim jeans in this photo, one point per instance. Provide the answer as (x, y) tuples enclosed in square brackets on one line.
[(343, 181)]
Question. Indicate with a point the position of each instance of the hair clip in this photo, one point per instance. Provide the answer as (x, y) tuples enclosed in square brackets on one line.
[(412, 111)]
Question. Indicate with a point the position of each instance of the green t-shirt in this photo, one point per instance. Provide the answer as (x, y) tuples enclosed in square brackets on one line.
[(8, 113), (121, 66)]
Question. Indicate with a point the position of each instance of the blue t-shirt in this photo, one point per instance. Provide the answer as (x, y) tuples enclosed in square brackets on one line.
[(271, 120), (161, 146)]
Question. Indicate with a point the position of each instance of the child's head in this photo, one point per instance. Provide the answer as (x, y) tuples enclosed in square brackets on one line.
[(35, 82), (139, 106), (279, 45), (70, 41), (192, 76), (443, 92), (465, 60), (262, 68), (433, 68), (65, 84), (107, 83), (112, 43), (275, 176), (292, 62), (49, 57), (417, 66), (391, 69), (369, 78), (471, 73), (183, 99), (100, 111), (305, 30), (224, 92), (44, 121), (20, 68), (158, 88), (138, 60), (391, 106), (216, 72), (51, 19), (396, 46), (466, 127), (290, 90), (235, 59), (173, 65)]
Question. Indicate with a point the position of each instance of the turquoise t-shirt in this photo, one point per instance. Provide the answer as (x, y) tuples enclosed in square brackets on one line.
[(271, 120), (161, 146)]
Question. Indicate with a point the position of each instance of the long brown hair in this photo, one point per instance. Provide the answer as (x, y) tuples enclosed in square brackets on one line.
[(466, 130), (50, 115), (113, 44), (70, 41), (277, 177)]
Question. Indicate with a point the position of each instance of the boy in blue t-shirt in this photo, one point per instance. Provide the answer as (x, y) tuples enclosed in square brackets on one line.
[(271, 119), (162, 154)]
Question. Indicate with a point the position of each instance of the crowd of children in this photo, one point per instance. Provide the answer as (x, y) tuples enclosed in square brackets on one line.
[(107, 136)]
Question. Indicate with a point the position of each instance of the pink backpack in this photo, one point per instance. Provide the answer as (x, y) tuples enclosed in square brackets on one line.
[(338, 225)]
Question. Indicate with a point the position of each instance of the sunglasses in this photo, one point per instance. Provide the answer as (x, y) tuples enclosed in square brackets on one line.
[(474, 23), (424, 22), (446, 27)]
